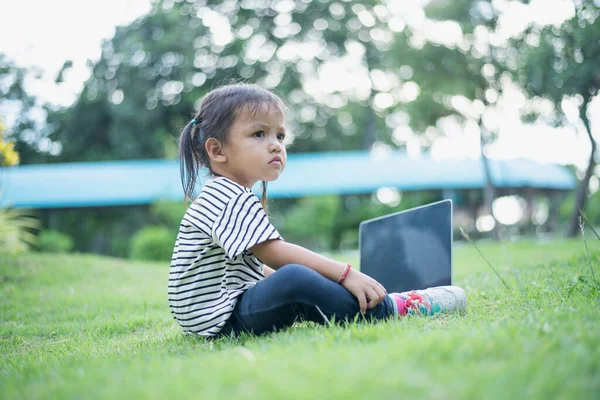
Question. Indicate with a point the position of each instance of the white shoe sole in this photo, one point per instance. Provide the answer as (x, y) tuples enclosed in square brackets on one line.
[(450, 298)]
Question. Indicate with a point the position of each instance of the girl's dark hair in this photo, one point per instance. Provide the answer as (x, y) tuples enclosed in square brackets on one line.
[(217, 112)]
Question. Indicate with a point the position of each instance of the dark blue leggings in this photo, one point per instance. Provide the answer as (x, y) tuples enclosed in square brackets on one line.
[(293, 293)]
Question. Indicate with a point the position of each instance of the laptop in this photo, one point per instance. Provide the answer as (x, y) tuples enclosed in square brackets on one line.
[(410, 249)]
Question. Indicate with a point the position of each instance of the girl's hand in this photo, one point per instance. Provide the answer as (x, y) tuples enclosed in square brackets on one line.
[(367, 290)]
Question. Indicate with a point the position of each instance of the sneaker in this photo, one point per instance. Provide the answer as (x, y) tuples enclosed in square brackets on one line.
[(434, 300)]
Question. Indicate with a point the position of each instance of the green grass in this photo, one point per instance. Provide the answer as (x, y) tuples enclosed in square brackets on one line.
[(82, 326)]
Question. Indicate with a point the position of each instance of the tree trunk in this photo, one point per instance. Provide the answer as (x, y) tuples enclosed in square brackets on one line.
[(489, 192), (584, 183)]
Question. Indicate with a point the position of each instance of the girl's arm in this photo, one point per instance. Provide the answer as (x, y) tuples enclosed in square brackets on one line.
[(268, 271), (277, 253)]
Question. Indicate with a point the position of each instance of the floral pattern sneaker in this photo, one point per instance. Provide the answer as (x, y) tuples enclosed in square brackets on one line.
[(434, 300)]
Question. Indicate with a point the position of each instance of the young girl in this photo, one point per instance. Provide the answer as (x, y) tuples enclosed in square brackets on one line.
[(222, 278)]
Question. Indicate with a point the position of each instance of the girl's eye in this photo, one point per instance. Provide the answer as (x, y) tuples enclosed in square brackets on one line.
[(259, 134), (281, 136)]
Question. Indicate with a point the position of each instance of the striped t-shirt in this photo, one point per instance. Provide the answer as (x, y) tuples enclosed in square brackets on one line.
[(211, 264)]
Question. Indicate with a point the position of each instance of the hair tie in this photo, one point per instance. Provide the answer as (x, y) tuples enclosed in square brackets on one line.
[(194, 122)]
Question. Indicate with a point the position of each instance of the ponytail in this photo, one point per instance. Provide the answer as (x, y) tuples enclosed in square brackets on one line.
[(189, 164), (263, 197)]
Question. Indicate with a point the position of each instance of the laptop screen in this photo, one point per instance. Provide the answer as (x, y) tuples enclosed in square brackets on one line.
[(408, 250)]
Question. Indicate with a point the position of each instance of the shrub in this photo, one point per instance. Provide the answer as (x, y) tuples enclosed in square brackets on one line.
[(54, 242), (153, 243), (168, 213), (16, 228)]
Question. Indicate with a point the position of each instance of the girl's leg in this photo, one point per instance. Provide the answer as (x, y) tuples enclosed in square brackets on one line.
[(297, 292)]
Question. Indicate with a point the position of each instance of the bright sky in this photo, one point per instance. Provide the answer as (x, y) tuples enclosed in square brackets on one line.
[(45, 33)]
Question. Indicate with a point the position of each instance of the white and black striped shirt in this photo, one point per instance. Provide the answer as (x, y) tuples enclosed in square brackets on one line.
[(211, 264)]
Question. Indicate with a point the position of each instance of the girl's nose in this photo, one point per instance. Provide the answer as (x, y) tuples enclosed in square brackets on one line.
[(275, 146)]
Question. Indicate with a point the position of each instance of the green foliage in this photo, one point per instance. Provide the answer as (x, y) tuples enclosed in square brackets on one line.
[(557, 62), (8, 156), (168, 213), (25, 133), (153, 243), (164, 62), (103, 230), (332, 222), (15, 226), (51, 241), (80, 326), (16, 230), (310, 221), (152, 73), (592, 209)]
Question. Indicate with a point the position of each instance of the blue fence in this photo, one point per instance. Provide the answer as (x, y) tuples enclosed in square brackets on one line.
[(114, 183)]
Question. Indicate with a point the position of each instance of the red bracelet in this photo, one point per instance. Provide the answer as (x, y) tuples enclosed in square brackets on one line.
[(345, 273)]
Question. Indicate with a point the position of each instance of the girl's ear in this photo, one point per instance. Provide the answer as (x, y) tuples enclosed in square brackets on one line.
[(215, 150)]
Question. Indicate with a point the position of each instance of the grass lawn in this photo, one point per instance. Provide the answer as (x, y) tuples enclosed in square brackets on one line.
[(82, 326)]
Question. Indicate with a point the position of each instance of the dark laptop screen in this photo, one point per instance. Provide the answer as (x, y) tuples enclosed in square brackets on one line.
[(409, 250)]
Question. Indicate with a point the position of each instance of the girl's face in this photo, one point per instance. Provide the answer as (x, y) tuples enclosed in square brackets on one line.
[(255, 148)]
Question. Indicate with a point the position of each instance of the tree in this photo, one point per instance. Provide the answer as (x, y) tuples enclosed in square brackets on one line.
[(452, 68), (24, 131), (558, 63), (152, 73)]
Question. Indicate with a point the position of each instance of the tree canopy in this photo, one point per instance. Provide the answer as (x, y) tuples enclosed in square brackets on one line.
[(350, 73), (354, 75), (559, 64)]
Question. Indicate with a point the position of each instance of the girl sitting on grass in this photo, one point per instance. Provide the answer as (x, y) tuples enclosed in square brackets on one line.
[(231, 271)]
